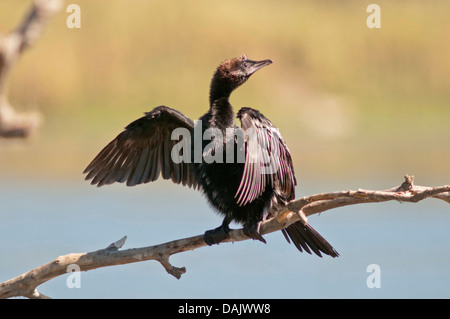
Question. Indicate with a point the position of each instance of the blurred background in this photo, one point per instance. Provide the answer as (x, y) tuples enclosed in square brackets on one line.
[(358, 107)]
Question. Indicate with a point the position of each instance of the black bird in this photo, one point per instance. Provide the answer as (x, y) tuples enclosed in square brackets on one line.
[(248, 186)]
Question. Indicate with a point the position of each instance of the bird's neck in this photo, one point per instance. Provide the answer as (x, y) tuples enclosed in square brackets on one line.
[(222, 114), (221, 111), (220, 89)]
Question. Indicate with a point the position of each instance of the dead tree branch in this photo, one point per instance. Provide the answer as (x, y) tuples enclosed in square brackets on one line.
[(26, 284), (12, 45)]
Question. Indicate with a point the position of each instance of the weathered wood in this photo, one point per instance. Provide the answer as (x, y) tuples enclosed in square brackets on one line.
[(12, 45), (26, 284)]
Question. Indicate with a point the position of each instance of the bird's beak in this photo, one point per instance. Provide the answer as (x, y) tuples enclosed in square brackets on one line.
[(253, 66)]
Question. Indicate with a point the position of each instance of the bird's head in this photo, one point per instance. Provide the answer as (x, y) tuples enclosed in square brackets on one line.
[(238, 70), (234, 72)]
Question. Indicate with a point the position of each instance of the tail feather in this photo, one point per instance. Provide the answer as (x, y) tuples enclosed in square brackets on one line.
[(304, 237)]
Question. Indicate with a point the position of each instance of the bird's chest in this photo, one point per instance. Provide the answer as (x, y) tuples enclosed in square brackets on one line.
[(220, 171), (219, 168), (220, 182)]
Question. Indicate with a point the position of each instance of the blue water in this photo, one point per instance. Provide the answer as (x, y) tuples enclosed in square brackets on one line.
[(42, 220)]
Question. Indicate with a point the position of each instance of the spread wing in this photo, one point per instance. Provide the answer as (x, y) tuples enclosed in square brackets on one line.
[(143, 151), (267, 160)]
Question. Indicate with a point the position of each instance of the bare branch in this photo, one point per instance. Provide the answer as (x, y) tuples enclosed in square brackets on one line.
[(26, 284), (12, 123)]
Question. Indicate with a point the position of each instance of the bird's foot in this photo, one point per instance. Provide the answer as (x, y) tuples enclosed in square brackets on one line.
[(217, 235), (252, 231)]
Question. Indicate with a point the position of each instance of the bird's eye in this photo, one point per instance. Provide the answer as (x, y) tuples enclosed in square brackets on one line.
[(245, 64)]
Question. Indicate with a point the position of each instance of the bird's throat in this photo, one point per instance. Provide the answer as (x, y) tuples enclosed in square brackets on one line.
[(222, 114)]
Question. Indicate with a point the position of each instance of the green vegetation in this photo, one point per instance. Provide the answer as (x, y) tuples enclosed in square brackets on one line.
[(350, 101)]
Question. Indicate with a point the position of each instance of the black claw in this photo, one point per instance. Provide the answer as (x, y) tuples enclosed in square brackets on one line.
[(217, 235), (252, 231)]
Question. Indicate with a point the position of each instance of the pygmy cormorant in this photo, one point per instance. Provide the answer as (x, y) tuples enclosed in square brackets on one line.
[(250, 185)]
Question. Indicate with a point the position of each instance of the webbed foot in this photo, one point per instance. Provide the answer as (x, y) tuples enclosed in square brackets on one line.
[(252, 231), (217, 235)]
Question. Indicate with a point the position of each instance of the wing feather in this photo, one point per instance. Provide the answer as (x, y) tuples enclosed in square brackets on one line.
[(142, 152), (267, 159)]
